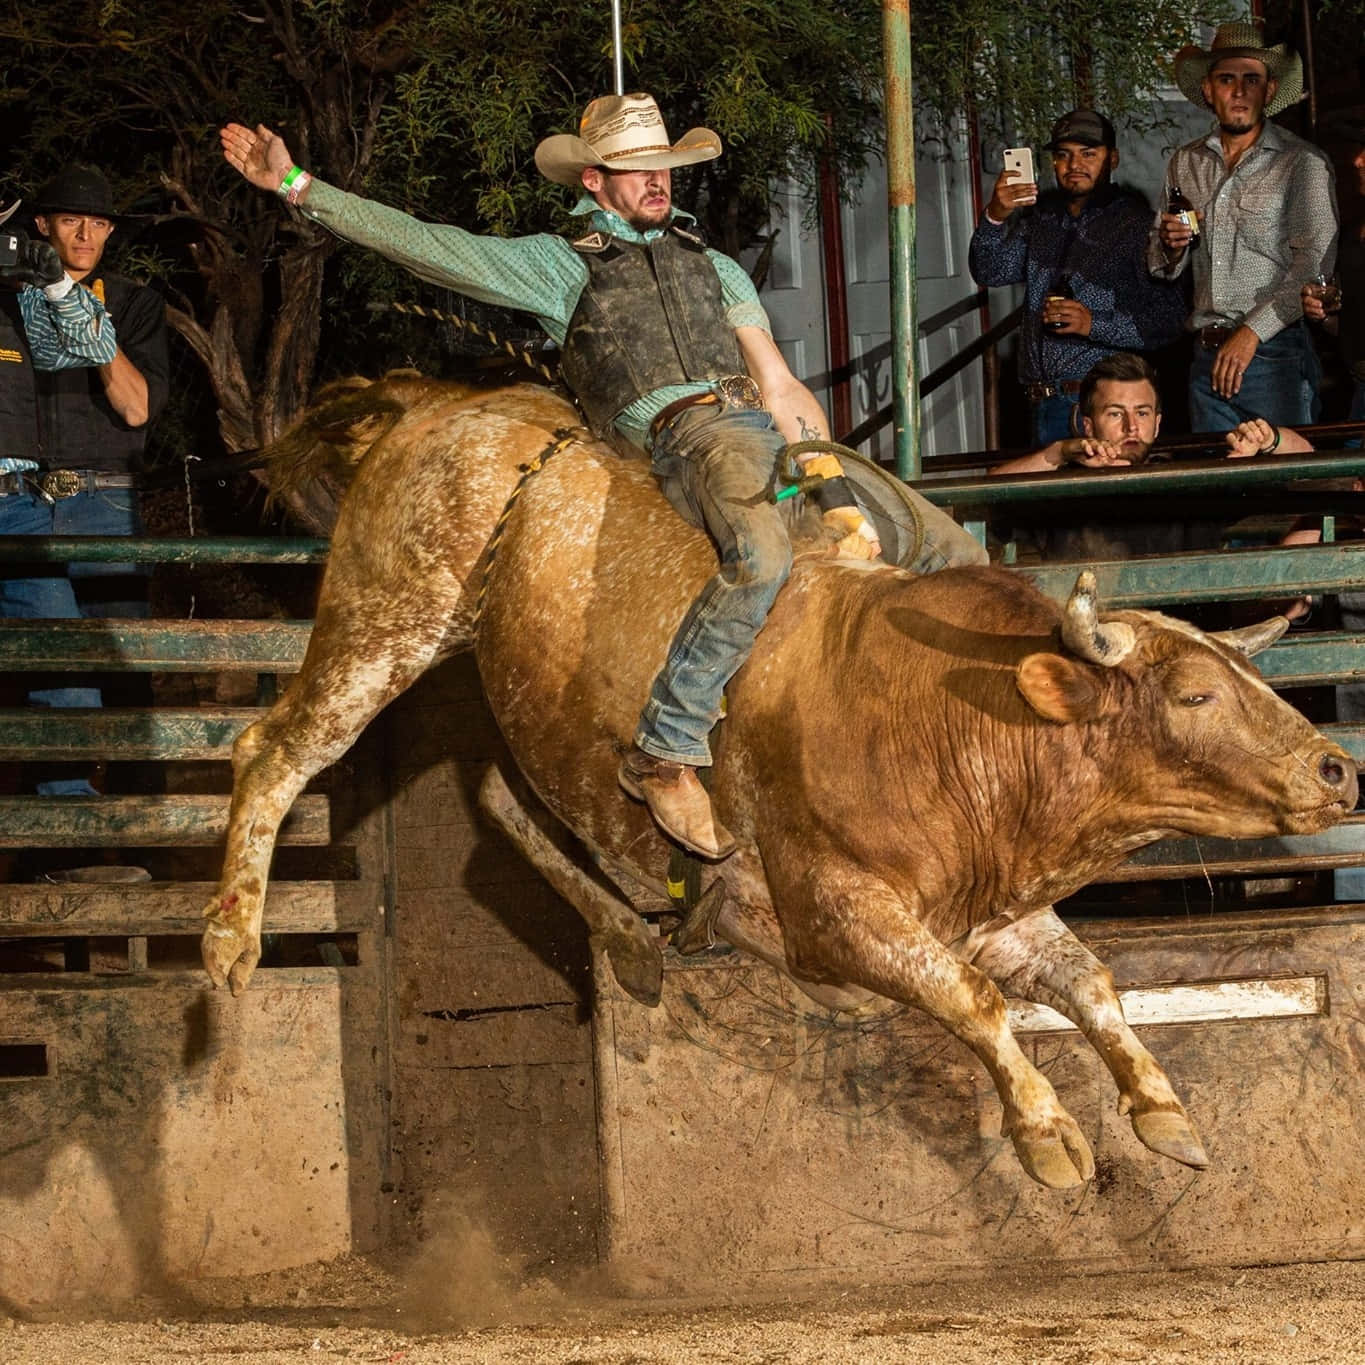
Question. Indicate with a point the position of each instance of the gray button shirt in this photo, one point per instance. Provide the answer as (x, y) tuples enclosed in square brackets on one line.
[(1266, 228)]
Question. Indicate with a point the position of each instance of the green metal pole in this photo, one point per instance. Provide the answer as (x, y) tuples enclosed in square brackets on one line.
[(900, 187)]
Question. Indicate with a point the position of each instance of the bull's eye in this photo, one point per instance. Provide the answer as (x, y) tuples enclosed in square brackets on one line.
[(1196, 699)]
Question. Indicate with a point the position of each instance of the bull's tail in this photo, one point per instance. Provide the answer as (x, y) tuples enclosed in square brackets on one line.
[(316, 458)]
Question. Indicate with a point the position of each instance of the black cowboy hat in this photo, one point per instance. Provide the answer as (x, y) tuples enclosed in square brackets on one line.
[(80, 189)]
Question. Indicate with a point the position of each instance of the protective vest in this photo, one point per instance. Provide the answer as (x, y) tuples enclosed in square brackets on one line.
[(651, 314), (81, 428), (20, 433)]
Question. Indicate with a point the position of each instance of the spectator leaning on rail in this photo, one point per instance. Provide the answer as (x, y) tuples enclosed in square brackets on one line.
[(83, 425), (1344, 314), (1120, 405), (1091, 236), (660, 339), (1267, 219)]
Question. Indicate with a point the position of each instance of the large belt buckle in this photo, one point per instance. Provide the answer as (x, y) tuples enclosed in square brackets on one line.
[(62, 483), (739, 391)]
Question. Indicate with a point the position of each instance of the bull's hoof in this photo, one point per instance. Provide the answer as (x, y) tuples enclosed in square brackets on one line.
[(637, 962), (697, 932), (1057, 1156), (230, 957), (1169, 1133)]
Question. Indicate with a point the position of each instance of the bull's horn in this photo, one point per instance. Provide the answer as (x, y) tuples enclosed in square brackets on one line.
[(1251, 640), (1108, 644)]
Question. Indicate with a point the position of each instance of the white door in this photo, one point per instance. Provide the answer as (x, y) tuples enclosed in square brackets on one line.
[(795, 300)]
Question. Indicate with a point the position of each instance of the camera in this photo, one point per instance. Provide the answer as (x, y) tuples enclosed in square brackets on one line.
[(24, 261)]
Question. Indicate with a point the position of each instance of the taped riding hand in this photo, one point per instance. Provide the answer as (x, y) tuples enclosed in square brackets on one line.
[(857, 539), (826, 466)]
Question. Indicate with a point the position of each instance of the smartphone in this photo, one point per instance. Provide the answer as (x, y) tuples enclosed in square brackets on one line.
[(1019, 162)]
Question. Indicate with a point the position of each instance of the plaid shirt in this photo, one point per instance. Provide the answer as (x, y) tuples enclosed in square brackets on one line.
[(68, 333), (1266, 227), (1101, 253)]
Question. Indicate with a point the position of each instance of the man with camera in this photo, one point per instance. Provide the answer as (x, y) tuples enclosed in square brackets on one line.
[(74, 409)]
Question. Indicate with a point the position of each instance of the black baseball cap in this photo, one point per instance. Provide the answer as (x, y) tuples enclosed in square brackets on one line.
[(1084, 126)]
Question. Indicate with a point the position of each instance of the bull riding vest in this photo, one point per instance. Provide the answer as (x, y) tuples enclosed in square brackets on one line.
[(651, 315), (20, 432)]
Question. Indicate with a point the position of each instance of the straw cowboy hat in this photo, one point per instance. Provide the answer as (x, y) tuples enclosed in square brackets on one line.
[(1193, 64), (622, 133)]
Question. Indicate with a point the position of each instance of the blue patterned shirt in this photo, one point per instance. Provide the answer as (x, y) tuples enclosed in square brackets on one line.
[(540, 274), (1102, 254), (69, 332)]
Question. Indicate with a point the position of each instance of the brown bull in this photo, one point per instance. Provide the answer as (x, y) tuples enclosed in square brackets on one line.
[(916, 768)]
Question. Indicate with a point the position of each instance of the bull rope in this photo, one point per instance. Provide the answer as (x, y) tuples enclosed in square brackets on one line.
[(483, 333), (563, 438)]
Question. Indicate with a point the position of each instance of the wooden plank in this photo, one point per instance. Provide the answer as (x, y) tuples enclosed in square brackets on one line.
[(197, 733), (1169, 480), (51, 909), (64, 984), (1309, 659), (154, 646), (1209, 1002), (141, 821), (1269, 572), (1341, 846), (162, 549)]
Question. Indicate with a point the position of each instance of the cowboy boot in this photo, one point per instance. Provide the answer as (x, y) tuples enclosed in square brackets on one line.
[(677, 801)]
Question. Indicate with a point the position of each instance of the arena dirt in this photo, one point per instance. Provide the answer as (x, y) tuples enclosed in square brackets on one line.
[(457, 1303)]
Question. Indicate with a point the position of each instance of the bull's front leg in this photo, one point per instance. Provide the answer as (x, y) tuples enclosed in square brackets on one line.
[(1038, 958), (855, 928), (264, 786)]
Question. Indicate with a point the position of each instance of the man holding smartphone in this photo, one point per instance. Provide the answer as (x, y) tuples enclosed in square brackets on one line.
[(1080, 250)]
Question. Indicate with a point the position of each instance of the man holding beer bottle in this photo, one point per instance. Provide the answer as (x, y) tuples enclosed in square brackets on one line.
[(1250, 208), (1081, 251)]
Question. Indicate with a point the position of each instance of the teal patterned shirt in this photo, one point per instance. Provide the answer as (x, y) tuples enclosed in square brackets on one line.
[(540, 274)]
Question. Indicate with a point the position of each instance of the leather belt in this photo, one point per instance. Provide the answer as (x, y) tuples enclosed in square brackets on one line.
[(1215, 334), (730, 391), (54, 484), (1035, 393)]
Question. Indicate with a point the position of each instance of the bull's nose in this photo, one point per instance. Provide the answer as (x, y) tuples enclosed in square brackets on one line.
[(1338, 772)]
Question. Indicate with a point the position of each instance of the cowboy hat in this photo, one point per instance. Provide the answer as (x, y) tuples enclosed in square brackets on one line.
[(79, 189), (1192, 64), (622, 133)]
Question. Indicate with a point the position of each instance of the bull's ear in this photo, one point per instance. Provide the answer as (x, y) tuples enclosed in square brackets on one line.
[(1061, 689), (1251, 640)]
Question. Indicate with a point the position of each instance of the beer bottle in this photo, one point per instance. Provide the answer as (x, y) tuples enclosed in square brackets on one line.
[(1180, 207), (1059, 289)]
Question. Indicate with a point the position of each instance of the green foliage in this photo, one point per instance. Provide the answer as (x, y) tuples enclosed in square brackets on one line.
[(436, 108), (1019, 67)]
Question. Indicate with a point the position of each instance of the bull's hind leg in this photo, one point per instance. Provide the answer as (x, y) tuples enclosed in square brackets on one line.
[(613, 926), (861, 931), (1038, 958), (349, 674)]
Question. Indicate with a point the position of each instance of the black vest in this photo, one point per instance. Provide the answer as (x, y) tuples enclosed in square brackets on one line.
[(651, 315), (20, 434), (81, 430)]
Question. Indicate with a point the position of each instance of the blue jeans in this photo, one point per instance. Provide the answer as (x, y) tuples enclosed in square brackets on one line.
[(1280, 384), (1052, 419), (717, 467), (54, 596), (720, 463)]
